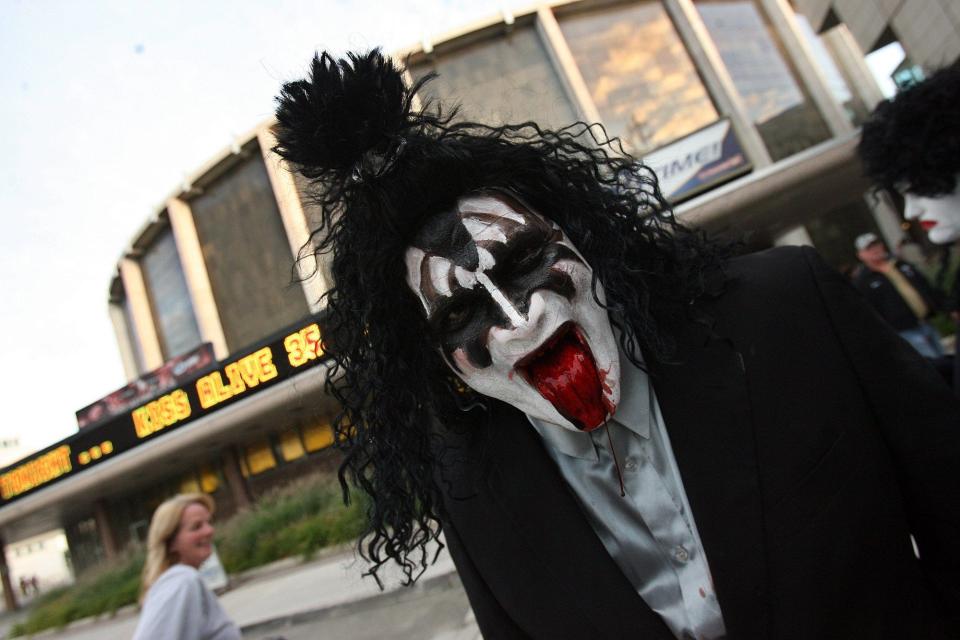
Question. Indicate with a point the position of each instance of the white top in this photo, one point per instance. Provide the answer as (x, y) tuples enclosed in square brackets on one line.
[(180, 607), (650, 533)]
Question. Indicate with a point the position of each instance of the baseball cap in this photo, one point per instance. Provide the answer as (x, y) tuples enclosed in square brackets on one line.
[(864, 240)]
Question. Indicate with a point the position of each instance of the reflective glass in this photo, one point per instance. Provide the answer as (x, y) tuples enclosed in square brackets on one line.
[(169, 297), (638, 73), (854, 108), (775, 102), (503, 79), (247, 254)]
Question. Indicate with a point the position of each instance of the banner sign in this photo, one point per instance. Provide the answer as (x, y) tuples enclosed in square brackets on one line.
[(173, 372), (697, 162), (242, 376)]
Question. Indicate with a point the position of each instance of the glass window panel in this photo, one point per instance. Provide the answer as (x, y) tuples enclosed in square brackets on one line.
[(189, 484), (260, 457), (639, 74), (785, 117), (290, 445), (209, 479), (839, 88), (169, 297), (503, 79), (317, 437), (247, 254)]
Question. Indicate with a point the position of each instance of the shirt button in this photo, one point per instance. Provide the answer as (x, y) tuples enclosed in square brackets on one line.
[(680, 554), (630, 464)]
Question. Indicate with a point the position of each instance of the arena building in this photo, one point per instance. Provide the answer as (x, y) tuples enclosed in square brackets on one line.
[(747, 110)]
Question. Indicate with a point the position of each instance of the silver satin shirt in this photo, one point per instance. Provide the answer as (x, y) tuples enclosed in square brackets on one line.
[(650, 533)]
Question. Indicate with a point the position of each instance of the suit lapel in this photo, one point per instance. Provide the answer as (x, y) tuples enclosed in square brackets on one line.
[(704, 400), (528, 488)]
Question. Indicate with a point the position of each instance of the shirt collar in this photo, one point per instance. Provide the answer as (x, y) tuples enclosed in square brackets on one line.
[(633, 413)]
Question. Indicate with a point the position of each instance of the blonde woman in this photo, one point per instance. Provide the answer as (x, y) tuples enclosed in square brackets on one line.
[(176, 603)]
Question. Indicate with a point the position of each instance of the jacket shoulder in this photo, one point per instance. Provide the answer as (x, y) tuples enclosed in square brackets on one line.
[(777, 269)]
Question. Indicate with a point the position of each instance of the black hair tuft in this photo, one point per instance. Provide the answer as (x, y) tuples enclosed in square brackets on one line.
[(345, 109)]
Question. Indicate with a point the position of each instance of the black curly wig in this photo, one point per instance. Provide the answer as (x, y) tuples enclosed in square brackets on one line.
[(379, 169), (912, 142)]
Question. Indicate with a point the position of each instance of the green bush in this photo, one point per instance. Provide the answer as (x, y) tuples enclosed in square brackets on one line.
[(295, 520), (96, 592)]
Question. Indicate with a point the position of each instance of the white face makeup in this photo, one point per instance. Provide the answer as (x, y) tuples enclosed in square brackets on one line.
[(509, 300), (939, 216)]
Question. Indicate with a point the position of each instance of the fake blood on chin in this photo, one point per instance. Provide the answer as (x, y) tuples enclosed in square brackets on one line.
[(563, 371)]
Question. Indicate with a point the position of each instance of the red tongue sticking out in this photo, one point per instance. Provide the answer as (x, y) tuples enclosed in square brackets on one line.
[(564, 373)]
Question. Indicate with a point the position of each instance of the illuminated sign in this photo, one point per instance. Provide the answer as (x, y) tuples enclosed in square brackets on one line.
[(36, 472), (244, 375), (161, 413), (303, 346)]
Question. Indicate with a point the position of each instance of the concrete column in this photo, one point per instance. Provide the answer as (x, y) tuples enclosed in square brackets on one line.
[(565, 66), (784, 23), (294, 221), (9, 595), (717, 78), (128, 355), (235, 480), (849, 58), (141, 313), (796, 236), (195, 273), (108, 539)]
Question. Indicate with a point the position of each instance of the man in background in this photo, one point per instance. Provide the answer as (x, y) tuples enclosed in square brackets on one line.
[(900, 294)]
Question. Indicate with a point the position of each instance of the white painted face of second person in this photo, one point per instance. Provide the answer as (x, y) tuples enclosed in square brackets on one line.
[(939, 215), (509, 301)]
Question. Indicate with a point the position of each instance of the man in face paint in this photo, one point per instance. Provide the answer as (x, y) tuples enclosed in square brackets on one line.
[(509, 301), (911, 144), (779, 445)]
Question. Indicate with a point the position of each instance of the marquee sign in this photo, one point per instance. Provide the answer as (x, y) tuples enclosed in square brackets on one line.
[(295, 350)]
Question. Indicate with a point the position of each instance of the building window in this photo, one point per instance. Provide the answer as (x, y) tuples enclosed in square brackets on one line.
[(502, 79), (291, 447), (189, 483), (247, 254), (639, 75), (169, 297), (317, 437), (259, 457), (783, 114), (823, 55), (209, 479)]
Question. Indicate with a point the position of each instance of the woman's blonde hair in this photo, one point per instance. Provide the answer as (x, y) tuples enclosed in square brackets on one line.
[(163, 527)]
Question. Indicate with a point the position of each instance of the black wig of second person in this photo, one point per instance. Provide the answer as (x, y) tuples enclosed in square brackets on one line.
[(911, 143), (379, 169)]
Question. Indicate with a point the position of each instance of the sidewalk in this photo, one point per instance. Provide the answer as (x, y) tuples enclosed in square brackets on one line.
[(281, 594)]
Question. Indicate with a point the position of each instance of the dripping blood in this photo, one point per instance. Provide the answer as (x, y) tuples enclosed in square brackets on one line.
[(564, 372)]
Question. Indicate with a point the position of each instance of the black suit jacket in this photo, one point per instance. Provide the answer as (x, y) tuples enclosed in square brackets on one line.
[(812, 442)]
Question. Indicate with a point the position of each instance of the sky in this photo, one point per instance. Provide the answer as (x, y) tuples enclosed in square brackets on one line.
[(105, 107)]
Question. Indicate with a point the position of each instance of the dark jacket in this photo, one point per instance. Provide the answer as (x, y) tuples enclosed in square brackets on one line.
[(888, 302), (812, 442)]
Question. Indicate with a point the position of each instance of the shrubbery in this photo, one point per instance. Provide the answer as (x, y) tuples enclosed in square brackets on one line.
[(295, 520), (103, 590)]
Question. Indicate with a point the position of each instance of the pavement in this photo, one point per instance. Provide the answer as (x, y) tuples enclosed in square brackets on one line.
[(291, 598)]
